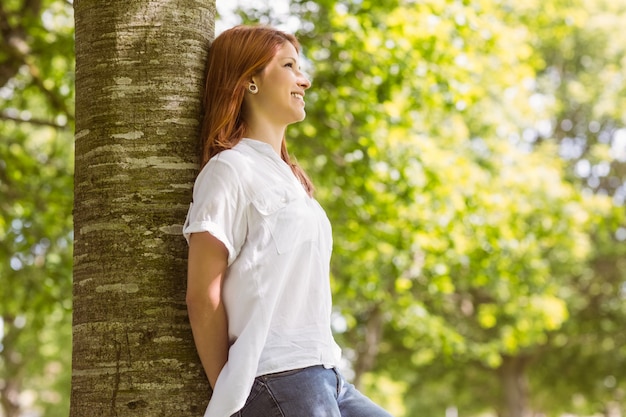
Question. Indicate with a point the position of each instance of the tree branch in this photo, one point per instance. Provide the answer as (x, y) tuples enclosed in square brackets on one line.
[(9, 68), (38, 122)]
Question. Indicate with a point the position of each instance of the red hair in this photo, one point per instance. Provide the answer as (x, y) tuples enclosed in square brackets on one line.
[(234, 57)]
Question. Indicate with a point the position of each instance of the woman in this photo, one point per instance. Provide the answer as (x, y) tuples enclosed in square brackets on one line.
[(258, 290)]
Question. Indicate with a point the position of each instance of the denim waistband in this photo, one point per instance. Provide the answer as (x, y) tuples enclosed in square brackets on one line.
[(288, 372)]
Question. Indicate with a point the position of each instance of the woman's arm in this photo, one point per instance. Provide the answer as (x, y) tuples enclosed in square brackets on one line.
[(206, 266)]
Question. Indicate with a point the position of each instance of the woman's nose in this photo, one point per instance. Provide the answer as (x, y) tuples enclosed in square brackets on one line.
[(304, 81)]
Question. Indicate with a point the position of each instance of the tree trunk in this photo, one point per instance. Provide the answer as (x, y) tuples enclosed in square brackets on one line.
[(515, 392), (369, 348), (139, 80), (11, 381)]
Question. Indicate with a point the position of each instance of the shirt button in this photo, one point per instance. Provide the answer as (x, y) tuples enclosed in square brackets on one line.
[(283, 200)]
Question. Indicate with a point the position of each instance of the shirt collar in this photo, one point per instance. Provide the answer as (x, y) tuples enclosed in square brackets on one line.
[(266, 149), (259, 146)]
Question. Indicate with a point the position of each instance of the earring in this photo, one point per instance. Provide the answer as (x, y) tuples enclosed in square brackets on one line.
[(252, 88)]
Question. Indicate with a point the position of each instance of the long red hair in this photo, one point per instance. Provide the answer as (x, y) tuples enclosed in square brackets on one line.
[(234, 57)]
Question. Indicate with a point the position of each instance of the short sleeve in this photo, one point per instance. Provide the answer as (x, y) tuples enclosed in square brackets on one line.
[(218, 207)]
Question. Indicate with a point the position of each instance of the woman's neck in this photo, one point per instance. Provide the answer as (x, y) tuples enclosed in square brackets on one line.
[(268, 133)]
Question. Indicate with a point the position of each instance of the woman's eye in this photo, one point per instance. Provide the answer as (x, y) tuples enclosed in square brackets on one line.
[(290, 65)]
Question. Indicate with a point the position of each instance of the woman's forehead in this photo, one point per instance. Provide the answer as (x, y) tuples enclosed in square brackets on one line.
[(286, 50)]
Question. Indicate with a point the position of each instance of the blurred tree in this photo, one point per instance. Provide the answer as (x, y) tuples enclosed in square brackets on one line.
[(139, 82), (580, 82), (36, 119)]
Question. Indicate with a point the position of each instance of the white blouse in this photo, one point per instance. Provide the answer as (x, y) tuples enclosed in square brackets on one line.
[(277, 290)]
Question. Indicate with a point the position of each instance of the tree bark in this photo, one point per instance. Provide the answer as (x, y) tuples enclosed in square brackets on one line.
[(139, 81), (515, 391)]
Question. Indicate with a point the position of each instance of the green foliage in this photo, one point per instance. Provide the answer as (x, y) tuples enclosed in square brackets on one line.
[(582, 71), (36, 98)]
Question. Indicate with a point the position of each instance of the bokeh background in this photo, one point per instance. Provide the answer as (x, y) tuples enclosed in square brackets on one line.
[(471, 155)]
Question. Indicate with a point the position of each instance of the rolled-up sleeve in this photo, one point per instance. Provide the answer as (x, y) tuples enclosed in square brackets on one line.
[(218, 207)]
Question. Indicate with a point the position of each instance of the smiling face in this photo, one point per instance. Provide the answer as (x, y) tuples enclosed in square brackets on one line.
[(281, 85)]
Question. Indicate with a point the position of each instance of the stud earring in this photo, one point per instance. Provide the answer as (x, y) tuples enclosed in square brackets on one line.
[(252, 88)]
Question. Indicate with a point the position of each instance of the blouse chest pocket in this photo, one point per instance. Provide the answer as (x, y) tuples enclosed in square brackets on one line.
[(288, 217)]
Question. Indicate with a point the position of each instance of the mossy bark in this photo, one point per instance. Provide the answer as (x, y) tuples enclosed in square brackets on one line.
[(139, 81)]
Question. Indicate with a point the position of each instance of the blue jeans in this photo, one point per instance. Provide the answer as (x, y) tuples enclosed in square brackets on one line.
[(308, 392)]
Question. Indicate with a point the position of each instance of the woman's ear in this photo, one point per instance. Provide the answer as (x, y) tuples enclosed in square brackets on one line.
[(252, 87)]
